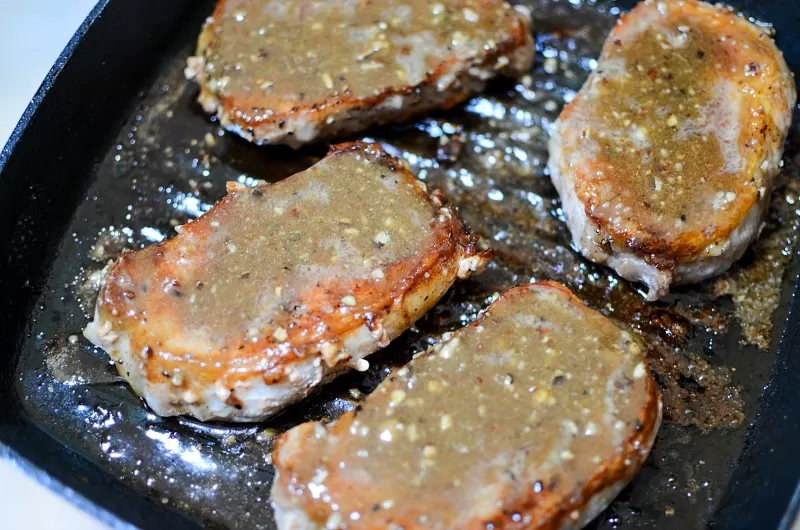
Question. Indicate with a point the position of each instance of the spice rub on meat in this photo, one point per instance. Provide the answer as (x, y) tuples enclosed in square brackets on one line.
[(665, 159), (534, 416), (293, 71), (280, 287)]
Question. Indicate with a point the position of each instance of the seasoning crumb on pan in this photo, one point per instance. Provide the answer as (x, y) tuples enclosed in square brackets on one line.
[(755, 286)]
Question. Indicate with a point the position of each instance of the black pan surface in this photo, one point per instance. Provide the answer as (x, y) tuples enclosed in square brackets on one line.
[(114, 152)]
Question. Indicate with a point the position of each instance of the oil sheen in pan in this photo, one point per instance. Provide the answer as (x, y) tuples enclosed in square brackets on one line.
[(710, 352)]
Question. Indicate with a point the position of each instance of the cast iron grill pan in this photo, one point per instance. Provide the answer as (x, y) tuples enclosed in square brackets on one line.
[(114, 152)]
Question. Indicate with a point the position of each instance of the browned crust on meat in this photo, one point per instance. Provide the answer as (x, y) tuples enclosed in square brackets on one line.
[(545, 508), (306, 332), (238, 113), (542, 510), (644, 240)]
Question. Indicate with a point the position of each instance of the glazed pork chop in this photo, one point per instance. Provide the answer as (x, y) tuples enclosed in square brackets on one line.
[(665, 159), (534, 416), (280, 287), (293, 71)]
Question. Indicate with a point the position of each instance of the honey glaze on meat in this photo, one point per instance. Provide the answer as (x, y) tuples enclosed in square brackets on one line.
[(534, 416), (665, 160), (290, 71), (278, 286)]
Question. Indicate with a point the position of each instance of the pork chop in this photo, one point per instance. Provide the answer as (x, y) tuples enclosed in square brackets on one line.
[(666, 158), (534, 416), (293, 71), (280, 287)]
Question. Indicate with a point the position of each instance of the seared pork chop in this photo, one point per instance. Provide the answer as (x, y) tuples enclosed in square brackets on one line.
[(665, 159), (280, 287), (293, 71), (534, 416)]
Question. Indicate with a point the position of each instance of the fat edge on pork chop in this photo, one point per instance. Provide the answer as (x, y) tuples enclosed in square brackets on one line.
[(534, 416), (280, 287), (294, 71), (665, 159)]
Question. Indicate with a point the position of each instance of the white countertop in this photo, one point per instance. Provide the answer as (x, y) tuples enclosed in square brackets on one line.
[(28, 505), (32, 35)]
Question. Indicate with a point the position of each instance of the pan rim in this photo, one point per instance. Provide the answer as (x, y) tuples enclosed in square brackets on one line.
[(49, 80)]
